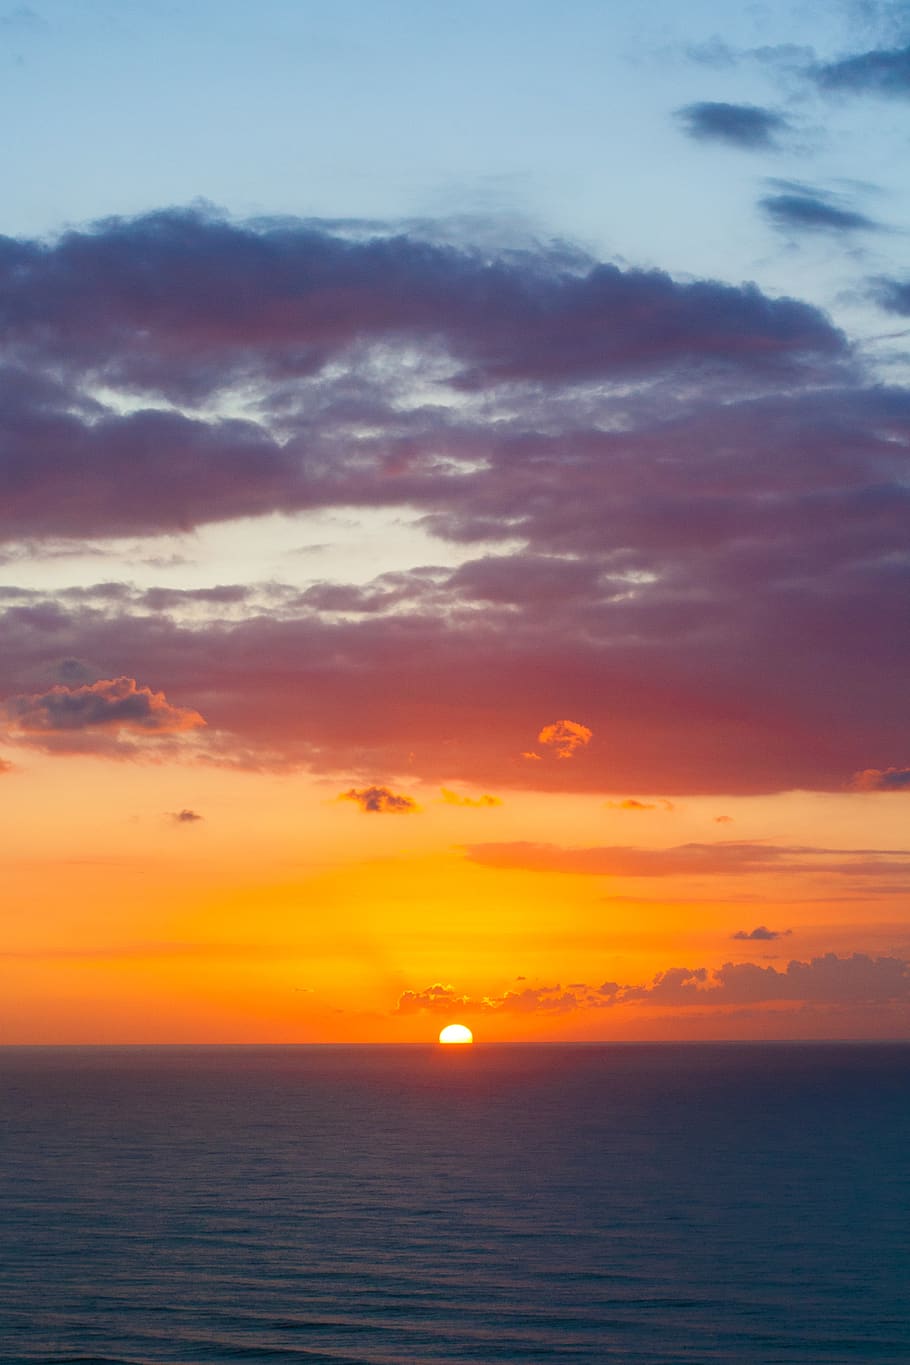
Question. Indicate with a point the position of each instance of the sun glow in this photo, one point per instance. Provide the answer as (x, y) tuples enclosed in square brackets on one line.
[(456, 1033)]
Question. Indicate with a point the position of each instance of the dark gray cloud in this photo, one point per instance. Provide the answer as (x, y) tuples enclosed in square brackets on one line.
[(185, 817), (760, 934), (894, 295), (380, 801), (798, 208), (747, 126), (882, 71)]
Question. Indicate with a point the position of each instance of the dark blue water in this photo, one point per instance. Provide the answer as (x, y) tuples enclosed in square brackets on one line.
[(635, 1203)]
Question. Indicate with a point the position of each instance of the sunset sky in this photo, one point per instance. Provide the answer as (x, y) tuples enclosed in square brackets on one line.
[(455, 520)]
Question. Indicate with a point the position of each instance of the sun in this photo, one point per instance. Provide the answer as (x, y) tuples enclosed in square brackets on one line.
[(456, 1033)]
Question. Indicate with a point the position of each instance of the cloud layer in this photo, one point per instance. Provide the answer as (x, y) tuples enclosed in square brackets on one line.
[(681, 510), (827, 981)]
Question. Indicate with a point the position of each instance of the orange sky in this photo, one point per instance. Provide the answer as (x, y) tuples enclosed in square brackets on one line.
[(285, 914)]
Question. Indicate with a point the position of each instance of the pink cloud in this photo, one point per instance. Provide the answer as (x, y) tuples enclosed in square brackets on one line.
[(65, 717)]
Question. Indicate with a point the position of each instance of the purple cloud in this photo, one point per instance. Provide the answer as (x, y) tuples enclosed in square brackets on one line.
[(380, 801), (761, 934), (110, 704), (828, 981), (711, 574), (882, 780)]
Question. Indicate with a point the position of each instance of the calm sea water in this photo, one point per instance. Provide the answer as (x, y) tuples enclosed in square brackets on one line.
[(378, 1205)]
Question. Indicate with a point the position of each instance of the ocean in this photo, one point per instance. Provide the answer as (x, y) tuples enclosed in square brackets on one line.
[(634, 1203)]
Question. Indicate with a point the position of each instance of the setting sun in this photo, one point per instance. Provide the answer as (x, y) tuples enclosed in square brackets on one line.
[(456, 1033)]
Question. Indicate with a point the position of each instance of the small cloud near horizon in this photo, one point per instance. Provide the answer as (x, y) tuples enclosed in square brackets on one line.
[(185, 816), (631, 803), (761, 934), (450, 798)]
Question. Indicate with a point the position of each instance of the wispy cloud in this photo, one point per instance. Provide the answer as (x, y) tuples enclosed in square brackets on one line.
[(697, 860), (881, 71), (801, 208)]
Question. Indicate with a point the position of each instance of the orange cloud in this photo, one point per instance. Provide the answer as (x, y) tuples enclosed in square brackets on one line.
[(630, 803), (380, 801), (451, 798), (565, 736)]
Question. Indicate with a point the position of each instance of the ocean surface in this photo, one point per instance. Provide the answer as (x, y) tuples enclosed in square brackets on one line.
[(375, 1205)]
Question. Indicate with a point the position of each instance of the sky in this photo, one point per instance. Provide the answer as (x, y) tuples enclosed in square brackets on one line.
[(454, 521)]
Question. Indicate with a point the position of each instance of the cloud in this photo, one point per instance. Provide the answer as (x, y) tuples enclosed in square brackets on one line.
[(440, 999), (436, 999), (118, 706), (182, 310), (380, 801), (565, 737), (646, 483), (882, 780), (801, 209), (185, 817), (696, 860), (630, 803), (451, 798), (894, 295), (828, 980), (760, 934), (831, 980), (5, 766), (723, 820), (739, 125), (882, 71)]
